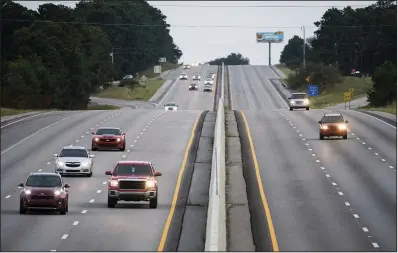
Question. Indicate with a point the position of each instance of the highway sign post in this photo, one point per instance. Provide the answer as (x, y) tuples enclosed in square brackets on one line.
[(157, 69), (143, 79), (347, 98), (313, 90), (308, 79), (269, 37)]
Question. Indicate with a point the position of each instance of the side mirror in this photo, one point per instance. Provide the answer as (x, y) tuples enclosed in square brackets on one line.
[(124, 134), (346, 121), (108, 172), (320, 122), (289, 98), (91, 156), (67, 185), (21, 185), (157, 174), (92, 133), (55, 155)]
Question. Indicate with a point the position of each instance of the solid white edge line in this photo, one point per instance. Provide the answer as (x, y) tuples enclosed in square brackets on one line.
[(382, 121), (40, 130), (167, 93), (44, 113), (272, 86)]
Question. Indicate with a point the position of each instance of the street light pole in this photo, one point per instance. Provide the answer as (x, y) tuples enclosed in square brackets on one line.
[(303, 28), (111, 55)]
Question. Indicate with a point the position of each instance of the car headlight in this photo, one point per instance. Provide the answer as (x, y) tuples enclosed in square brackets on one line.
[(118, 139), (324, 127), (114, 183), (86, 163), (342, 127), (57, 192), (59, 163), (292, 102), (150, 184), (96, 139), (306, 101), (27, 191)]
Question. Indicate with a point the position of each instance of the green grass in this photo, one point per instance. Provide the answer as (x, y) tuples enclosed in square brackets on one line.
[(102, 107), (10, 112), (165, 66), (284, 69), (143, 93), (392, 108)]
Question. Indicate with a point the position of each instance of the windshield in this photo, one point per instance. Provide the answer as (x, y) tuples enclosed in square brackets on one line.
[(111, 131), (73, 153), (44, 181), (170, 104), (299, 96), (133, 169), (332, 119)]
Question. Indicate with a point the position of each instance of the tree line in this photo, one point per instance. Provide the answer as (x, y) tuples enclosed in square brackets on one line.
[(231, 59), (57, 56), (363, 39)]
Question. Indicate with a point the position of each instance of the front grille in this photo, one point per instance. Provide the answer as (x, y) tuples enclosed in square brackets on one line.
[(108, 140), (332, 128), (72, 165), (299, 102), (132, 185), (170, 109), (42, 197), (71, 171)]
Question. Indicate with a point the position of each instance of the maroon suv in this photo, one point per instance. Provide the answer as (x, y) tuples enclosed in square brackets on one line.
[(43, 190)]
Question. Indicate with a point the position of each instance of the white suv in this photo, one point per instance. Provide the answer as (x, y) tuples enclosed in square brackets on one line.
[(299, 100)]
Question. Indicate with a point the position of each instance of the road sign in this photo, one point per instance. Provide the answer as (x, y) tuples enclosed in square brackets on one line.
[(308, 79), (157, 69), (144, 78), (162, 59), (347, 96), (313, 90), (352, 90), (269, 37)]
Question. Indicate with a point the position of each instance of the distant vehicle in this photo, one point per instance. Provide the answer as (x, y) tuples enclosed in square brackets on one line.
[(183, 76), (332, 124), (212, 75), (171, 106), (193, 86), (299, 100), (108, 137), (209, 81), (128, 77), (196, 77), (74, 160), (187, 67), (133, 181), (44, 190), (208, 88)]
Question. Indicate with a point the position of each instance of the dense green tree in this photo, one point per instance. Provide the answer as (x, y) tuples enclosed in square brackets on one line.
[(384, 90), (231, 59), (292, 53)]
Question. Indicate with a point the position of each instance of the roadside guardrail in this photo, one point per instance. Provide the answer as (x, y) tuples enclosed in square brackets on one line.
[(216, 232)]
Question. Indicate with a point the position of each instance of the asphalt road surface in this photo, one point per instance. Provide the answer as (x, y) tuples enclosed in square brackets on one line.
[(155, 135), (331, 195)]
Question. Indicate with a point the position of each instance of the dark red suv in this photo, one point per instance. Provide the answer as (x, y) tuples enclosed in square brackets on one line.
[(44, 190)]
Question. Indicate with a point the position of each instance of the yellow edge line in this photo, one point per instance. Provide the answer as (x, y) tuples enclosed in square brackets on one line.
[(260, 186), (177, 189)]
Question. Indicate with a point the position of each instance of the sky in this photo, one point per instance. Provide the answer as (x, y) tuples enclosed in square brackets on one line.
[(205, 40)]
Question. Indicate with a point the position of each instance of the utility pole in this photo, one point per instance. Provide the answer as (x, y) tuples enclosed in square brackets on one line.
[(269, 49), (111, 55), (303, 29)]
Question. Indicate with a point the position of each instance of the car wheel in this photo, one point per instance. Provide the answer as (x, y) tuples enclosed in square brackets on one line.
[(22, 209), (112, 203), (67, 206), (153, 203), (124, 147), (63, 210), (345, 137), (291, 109), (307, 108), (90, 174), (93, 149), (321, 137)]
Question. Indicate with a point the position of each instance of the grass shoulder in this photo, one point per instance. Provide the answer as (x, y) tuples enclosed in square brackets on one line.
[(11, 111), (391, 108), (165, 67), (142, 92), (285, 70), (102, 107)]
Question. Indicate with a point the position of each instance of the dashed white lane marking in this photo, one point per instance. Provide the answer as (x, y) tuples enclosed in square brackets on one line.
[(84, 211), (135, 140), (8, 196), (123, 156), (317, 161), (327, 175), (356, 216), (307, 144), (322, 168), (96, 125), (297, 131), (128, 150), (333, 183), (370, 148), (131, 145), (376, 153), (98, 191), (48, 162), (75, 223), (375, 244), (92, 128), (383, 160), (39, 169), (294, 127), (310, 149), (64, 236), (92, 200), (391, 167), (340, 193), (104, 182), (138, 137), (364, 143), (144, 129), (352, 134), (82, 136), (87, 132), (77, 140), (300, 135), (347, 203), (365, 229), (313, 155), (303, 140)]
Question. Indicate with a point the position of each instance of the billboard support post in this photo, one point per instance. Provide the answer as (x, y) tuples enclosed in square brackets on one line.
[(269, 58), (303, 27)]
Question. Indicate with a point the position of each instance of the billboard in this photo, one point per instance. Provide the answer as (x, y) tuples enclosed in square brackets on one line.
[(273, 37)]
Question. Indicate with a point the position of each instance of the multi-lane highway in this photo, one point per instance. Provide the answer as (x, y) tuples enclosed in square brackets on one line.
[(331, 195), (152, 134)]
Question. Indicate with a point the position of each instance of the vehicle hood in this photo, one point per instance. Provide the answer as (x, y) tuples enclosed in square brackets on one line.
[(48, 191), (333, 124), (130, 177), (298, 99), (107, 136), (73, 159)]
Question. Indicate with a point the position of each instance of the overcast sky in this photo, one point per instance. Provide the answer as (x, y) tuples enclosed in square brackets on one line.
[(207, 41)]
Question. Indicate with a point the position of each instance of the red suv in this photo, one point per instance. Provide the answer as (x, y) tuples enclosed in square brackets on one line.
[(133, 181), (44, 190)]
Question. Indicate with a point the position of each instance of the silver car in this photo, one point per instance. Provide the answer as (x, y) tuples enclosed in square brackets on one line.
[(299, 100), (74, 160)]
